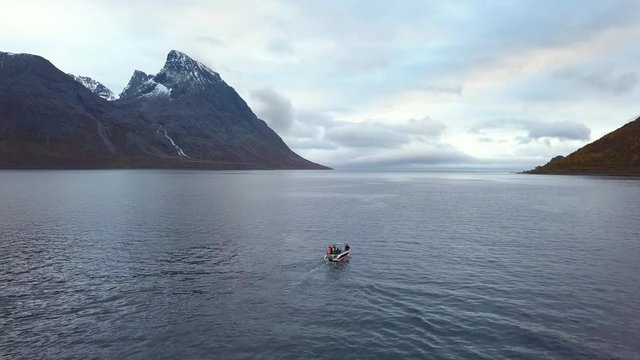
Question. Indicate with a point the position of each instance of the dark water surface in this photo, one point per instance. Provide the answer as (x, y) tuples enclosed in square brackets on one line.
[(192, 265)]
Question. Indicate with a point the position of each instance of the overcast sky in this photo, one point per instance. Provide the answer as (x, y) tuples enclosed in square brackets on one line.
[(374, 83)]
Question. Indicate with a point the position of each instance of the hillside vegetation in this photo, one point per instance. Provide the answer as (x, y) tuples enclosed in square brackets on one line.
[(617, 153)]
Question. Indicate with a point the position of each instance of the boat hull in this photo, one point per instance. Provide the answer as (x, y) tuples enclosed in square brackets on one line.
[(337, 257)]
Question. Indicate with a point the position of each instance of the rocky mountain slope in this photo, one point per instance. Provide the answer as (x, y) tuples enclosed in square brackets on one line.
[(95, 86), (185, 116), (617, 153)]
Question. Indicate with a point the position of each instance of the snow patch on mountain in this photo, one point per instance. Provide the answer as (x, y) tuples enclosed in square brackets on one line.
[(139, 84), (158, 90), (7, 53), (95, 86), (179, 74)]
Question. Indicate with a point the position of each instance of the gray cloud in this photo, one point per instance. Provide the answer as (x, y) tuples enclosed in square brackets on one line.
[(450, 39), (317, 118), (438, 155), (604, 79), (383, 135), (425, 127), (366, 135), (413, 143), (274, 108), (567, 130), (562, 130), (210, 40), (310, 143), (280, 47), (448, 89), (487, 139)]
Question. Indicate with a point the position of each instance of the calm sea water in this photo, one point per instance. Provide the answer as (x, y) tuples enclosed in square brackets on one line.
[(191, 265)]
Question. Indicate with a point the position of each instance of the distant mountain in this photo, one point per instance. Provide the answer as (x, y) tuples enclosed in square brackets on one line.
[(193, 107), (47, 119), (185, 116), (617, 153), (95, 86)]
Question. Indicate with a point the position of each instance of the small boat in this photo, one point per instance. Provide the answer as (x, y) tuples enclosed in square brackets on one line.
[(337, 252)]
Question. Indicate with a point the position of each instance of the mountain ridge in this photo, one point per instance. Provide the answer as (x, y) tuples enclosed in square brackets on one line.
[(50, 120)]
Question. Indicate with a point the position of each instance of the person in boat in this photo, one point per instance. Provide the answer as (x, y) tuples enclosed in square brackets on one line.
[(346, 247)]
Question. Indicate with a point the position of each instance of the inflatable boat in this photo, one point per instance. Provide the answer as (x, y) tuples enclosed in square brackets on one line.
[(337, 252)]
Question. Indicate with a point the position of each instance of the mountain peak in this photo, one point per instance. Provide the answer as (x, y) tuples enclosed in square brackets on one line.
[(139, 74), (179, 75), (175, 55), (139, 84), (181, 69)]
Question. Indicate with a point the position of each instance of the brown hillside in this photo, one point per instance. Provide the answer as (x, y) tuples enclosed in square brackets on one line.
[(617, 153)]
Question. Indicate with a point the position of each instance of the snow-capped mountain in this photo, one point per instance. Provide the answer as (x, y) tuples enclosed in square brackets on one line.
[(180, 72), (95, 86), (200, 114), (185, 116)]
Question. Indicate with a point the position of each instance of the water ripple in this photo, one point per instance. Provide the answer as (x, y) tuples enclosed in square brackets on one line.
[(155, 264)]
